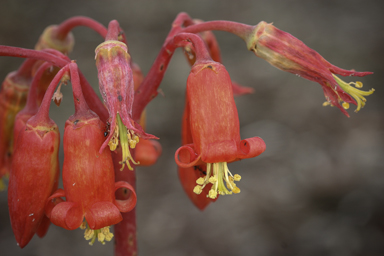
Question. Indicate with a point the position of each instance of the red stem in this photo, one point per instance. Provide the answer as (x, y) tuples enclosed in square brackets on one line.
[(239, 29), (148, 88), (61, 60), (198, 44), (66, 26), (125, 231), (32, 54), (42, 115), (93, 101), (25, 70), (81, 107), (31, 105)]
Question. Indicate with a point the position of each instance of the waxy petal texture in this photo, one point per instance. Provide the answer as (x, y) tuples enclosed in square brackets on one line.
[(34, 176)]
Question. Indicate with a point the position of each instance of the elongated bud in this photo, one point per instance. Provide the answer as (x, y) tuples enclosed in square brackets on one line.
[(286, 52), (34, 176), (13, 97), (117, 89)]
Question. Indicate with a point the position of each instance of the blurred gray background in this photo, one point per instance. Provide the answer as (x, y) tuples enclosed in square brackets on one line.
[(319, 187)]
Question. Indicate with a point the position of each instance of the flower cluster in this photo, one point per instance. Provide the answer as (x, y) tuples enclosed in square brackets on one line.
[(99, 181)]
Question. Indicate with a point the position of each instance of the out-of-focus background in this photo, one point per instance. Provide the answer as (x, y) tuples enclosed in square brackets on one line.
[(319, 187)]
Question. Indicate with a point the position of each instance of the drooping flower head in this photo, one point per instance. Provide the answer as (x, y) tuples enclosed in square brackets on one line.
[(117, 89), (288, 53), (215, 130), (88, 176)]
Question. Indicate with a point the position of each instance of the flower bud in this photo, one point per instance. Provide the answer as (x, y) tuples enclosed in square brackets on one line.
[(34, 176)]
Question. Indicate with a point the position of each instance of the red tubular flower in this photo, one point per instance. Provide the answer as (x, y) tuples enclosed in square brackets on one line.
[(13, 96), (215, 130), (117, 89), (88, 176), (35, 172), (288, 53), (188, 176)]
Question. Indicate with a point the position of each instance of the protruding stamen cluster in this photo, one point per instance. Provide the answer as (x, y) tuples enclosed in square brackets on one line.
[(102, 234), (217, 174), (357, 94), (128, 139)]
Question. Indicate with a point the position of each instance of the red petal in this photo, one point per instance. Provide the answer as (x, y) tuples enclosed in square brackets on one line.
[(67, 215), (186, 156), (128, 204), (251, 147), (102, 214)]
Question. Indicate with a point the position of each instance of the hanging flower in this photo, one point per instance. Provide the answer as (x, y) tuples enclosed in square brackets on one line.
[(117, 89), (214, 126), (288, 53), (88, 176)]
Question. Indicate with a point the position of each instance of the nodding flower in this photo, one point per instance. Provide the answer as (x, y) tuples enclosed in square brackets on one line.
[(117, 89), (288, 53), (88, 176), (213, 121)]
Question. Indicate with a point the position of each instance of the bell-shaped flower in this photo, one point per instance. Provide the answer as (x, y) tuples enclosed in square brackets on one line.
[(288, 53), (117, 89), (214, 126), (88, 177)]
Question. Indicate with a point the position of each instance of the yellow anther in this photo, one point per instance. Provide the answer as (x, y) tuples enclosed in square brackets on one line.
[(102, 234), (237, 177), (132, 143), (126, 142), (109, 236), (101, 238), (198, 189), (200, 181), (212, 194), (83, 225), (236, 190), (88, 234), (345, 105), (358, 84), (212, 180), (357, 94), (326, 104), (221, 178)]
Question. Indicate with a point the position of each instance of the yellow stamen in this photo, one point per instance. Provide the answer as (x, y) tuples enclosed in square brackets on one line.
[(102, 234), (345, 105), (128, 139), (197, 190), (357, 94), (221, 179), (326, 104), (200, 181)]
